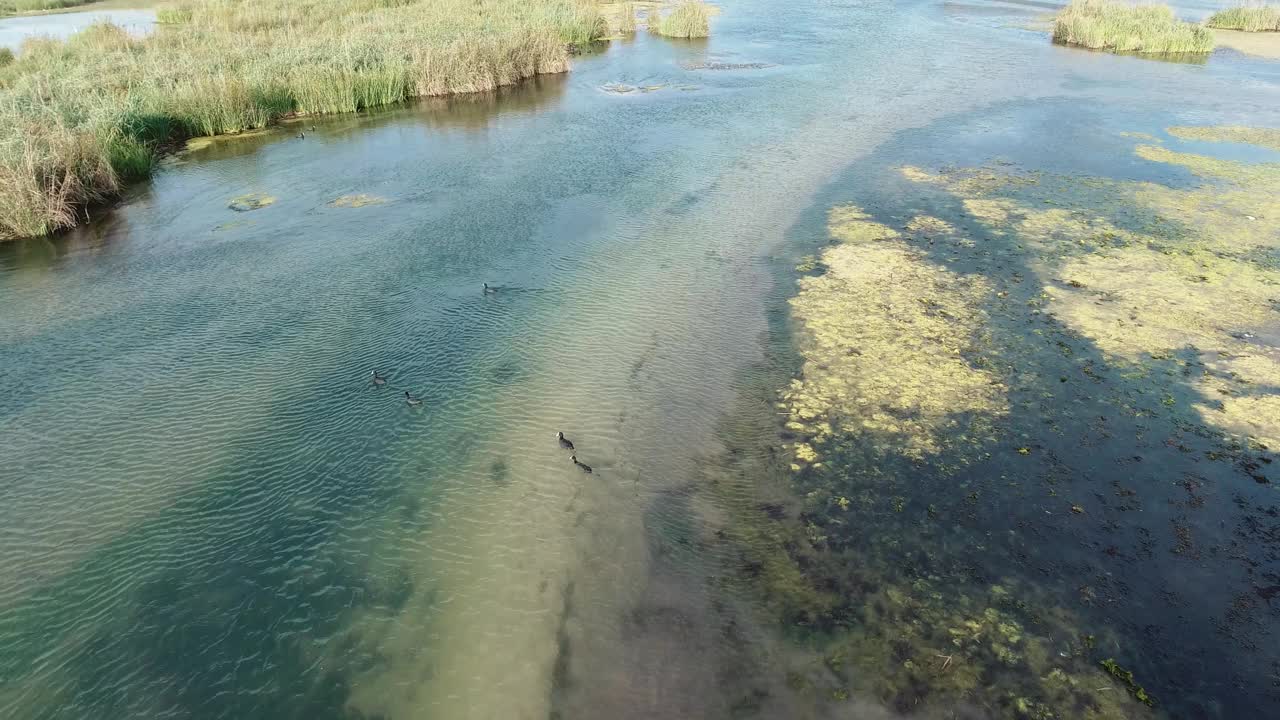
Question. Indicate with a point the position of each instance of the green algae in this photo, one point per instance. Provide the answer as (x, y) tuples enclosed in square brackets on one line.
[(910, 366), (1126, 678), (250, 201), (1262, 137), (357, 201)]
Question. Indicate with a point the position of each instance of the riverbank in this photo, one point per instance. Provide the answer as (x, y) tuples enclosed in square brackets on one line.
[(79, 117)]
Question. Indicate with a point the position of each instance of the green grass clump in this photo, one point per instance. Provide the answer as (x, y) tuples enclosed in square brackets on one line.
[(688, 20), (1250, 18), (78, 116), (6, 56), (1114, 26)]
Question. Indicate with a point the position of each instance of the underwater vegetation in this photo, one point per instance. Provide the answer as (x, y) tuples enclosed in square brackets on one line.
[(1249, 18), (78, 116), (1108, 25), (1028, 447)]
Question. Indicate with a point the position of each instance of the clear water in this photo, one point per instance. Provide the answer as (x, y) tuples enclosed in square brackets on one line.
[(209, 511)]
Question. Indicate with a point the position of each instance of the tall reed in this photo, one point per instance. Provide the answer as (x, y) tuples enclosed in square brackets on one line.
[(687, 20), (1250, 18), (77, 116)]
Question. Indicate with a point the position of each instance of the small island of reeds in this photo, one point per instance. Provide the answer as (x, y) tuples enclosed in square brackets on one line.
[(78, 117), (1249, 18), (1119, 27), (687, 20)]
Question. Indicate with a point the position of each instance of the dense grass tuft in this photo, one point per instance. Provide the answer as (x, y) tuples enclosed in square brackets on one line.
[(1250, 18), (688, 20), (1115, 26), (6, 56), (77, 117)]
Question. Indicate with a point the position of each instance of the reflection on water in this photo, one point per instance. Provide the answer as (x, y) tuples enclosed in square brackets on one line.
[(210, 511)]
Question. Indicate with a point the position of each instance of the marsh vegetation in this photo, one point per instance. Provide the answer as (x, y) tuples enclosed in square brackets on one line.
[(78, 117), (689, 19), (1249, 18), (1115, 26)]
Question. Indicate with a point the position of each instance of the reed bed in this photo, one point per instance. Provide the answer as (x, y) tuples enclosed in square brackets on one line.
[(1249, 18), (78, 116), (1115, 26), (687, 20)]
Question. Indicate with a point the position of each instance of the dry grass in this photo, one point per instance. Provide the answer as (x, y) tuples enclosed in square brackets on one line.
[(687, 20), (1249, 18), (1107, 25), (104, 101)]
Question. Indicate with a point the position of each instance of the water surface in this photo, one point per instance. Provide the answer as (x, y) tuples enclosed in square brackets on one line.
[(209, 510)]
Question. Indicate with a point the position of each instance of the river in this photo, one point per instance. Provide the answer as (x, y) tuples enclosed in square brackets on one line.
[(209, 511)]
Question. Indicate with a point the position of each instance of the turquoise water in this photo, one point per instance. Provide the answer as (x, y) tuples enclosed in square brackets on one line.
[(209, 511)]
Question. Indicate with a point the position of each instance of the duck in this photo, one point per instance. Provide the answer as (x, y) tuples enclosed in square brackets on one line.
[(411, 399), (302, 136), (489, 290), (565, 442), (378, 379), (581, 465)]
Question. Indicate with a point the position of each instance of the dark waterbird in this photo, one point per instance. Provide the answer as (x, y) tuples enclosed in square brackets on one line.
[(301, 136), (411, 399), (378, 379), (489, 290), (565, 442), (581, 465)]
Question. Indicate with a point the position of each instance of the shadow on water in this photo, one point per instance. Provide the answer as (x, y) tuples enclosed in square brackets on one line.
[(1097, 517)]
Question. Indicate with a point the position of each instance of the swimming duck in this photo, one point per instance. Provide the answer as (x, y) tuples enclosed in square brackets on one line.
[(301, 136), (565, 442), (581, 465), (411, 399), (378, 379), (489, 290)]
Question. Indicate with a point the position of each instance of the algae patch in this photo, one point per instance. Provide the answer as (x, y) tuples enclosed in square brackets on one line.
[(357, 201), (251, 201)]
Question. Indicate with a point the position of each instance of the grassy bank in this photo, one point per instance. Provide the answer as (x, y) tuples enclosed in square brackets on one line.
[(687, 20), (1106, 25), (1253, 18), (78, 117), (13, 7)]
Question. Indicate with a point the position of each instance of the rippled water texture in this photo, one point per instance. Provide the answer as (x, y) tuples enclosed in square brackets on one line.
[(209, 511)]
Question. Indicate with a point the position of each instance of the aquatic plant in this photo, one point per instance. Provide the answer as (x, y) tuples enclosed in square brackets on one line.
[(687, 20), (217, 67), (1249, 18), (1108, 25)]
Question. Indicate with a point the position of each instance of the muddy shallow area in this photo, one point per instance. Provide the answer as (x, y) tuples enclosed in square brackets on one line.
[(925, 369)]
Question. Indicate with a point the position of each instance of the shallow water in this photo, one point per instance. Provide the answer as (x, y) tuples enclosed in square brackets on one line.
[(209, 510), (16, 30)]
